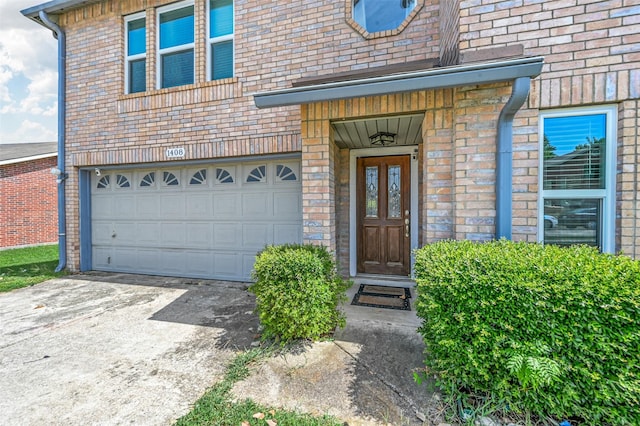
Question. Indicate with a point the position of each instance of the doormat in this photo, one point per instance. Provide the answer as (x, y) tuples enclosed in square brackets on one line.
[(380, 296)]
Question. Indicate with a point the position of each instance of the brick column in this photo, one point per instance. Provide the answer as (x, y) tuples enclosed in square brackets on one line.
[(628, 178), (437, 181), (318, 178), (474, 153)]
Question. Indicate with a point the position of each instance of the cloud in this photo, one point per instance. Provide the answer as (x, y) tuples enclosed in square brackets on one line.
[(29, 131), (28, 70)]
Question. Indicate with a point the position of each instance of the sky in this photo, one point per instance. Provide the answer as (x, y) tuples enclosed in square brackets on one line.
[(28, 77)]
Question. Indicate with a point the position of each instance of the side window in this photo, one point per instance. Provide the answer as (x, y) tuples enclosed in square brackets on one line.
[(578, 177), (220, 47), (176, 45), (136, 53)]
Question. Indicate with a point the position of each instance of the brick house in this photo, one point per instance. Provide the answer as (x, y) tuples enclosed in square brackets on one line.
[(28, 205), (198, 131)]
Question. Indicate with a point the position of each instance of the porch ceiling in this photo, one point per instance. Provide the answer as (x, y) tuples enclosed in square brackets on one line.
[(355, 134)]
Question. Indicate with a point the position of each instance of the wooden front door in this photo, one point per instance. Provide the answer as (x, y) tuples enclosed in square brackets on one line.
[(383, 222)]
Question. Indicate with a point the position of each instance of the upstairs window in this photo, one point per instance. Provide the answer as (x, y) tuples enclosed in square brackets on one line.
[(136, 57), (176, 45), (382, 15), (220, 47)]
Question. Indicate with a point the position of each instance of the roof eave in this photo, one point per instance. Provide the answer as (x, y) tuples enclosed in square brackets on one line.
[(53, 7), (459, 75)]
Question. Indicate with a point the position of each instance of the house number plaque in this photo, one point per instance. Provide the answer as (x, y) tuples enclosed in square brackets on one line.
[(175, 152)]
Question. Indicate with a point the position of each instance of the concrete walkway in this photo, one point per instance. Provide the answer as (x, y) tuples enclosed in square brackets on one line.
[(117, 348)]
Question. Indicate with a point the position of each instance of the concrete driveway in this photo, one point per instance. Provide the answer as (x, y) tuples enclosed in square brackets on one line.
[(116, 348)]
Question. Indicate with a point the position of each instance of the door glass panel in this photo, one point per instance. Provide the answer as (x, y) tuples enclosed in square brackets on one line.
[(372, 191), (570, 221), (394, 192)]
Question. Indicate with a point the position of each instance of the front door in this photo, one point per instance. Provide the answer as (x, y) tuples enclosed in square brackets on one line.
[(383, 208)]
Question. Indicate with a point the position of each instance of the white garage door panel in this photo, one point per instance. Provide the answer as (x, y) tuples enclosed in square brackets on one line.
[(199, 206), (172, 234), (172, 262), (199, 264), (283, 234), (147, 259), (102, 207), (228, 265), (172, 206), (148, 233), (101, 257), (225, 205), (124, 205), (125, 257), (286, 205), (209, 225), (256, 235), (227, 236), (147, 206), (256, 205), (101, 232), (199, 235)]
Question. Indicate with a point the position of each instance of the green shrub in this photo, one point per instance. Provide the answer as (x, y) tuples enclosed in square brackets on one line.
[(297, 291), (544, 329)]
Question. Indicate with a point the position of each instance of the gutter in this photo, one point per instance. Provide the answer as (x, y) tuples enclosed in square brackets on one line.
[(504, 157), (437, 78), (60, 171)]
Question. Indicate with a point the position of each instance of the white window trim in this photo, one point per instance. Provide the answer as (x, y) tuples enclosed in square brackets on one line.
[(213, 40), (174, 49), (607, 195), (131, 58)]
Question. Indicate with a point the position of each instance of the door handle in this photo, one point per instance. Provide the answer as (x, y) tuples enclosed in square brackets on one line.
[(406, 227)]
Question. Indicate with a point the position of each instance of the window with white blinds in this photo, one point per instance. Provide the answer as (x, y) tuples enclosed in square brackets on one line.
[(136, 53), (220, 48), (176, 57), (578, 150)]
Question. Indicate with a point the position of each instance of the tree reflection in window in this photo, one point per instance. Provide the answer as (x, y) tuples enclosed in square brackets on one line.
[(382, 15)]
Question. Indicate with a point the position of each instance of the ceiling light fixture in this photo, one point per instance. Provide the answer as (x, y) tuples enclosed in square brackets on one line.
[(382, 139)]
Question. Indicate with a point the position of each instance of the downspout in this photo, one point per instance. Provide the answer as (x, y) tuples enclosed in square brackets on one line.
[(504, 166), (62, 175)]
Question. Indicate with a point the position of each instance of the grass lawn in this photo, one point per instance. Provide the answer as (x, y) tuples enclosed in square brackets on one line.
[(27, 266)]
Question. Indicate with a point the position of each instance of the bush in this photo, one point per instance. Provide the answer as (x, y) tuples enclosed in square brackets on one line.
[(546, 330), (297, 291)]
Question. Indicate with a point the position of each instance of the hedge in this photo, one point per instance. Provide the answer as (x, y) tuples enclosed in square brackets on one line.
[(544, 329), (297, 292)]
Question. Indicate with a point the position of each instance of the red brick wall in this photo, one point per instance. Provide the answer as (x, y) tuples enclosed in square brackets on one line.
[(29, 203)]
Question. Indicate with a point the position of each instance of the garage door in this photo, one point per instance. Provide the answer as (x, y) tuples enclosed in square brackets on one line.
[(204, 222)]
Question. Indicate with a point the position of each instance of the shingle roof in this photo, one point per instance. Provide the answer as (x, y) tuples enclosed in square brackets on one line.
[(18, 152)]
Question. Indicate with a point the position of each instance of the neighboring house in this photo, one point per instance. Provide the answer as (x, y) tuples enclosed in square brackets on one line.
[(28, 194), (199, 131)]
